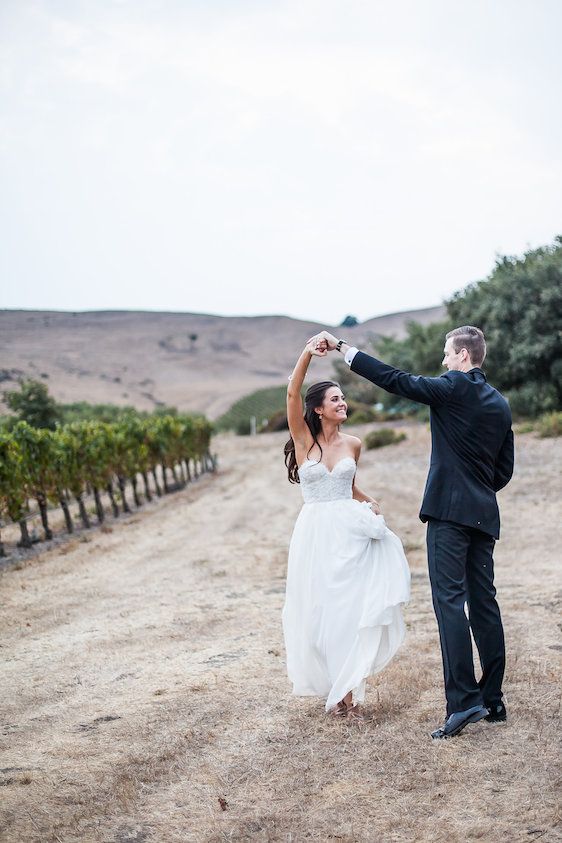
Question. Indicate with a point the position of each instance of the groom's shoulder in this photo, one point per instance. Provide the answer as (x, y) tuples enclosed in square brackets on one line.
[(450, 376), (458, 382)]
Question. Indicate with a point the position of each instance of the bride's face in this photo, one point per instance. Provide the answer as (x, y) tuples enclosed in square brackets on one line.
[(334, 407)]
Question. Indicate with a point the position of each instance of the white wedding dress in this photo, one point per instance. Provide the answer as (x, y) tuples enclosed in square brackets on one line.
[(346, 582)]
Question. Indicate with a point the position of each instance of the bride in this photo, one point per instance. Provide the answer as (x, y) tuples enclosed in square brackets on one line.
[(347, 574)]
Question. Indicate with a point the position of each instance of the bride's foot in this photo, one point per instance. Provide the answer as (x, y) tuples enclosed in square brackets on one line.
[(355, 713), (340, 710)]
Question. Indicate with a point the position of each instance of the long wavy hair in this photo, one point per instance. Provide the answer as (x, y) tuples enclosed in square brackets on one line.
[(313, 398)]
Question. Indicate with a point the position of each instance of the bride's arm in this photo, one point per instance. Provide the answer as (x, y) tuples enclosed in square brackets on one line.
[(360, 496), (298, 428)]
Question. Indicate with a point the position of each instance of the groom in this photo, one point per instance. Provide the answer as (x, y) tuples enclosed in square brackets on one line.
[(471, 459)]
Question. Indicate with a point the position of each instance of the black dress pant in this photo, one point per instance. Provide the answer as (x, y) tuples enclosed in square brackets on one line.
[(461, 569)]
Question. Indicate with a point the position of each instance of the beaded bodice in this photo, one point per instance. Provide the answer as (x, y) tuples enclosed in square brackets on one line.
[(318, 484)]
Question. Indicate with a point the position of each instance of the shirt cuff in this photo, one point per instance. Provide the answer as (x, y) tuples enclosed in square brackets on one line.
[(350, 354)]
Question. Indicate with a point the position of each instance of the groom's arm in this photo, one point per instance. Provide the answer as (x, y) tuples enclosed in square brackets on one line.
[(415, 387), (504, 462)]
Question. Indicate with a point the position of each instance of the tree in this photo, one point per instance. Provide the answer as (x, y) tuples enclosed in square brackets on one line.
[(138, 440), (97, 449), (121, 461), (421, 352), (12, 484), (73, 439), (519, 308), (349, 322), (354, 388), (62, 468), (169, 433), (33, 404), (87, 455), (36, 449)]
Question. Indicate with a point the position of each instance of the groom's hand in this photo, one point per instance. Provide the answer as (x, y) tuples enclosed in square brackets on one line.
[(324, 340)]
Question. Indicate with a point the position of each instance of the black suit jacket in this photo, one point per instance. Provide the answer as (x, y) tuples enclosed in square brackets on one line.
[(471, 441)]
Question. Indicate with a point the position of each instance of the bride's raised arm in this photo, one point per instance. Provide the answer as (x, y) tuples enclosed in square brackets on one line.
[(295, 415)]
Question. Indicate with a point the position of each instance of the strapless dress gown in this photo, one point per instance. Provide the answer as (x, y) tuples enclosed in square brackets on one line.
[(347, 580)]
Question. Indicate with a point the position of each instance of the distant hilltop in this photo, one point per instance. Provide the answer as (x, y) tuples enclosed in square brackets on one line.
[(192, 361)]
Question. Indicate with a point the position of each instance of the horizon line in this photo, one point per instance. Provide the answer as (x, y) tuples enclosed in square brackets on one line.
[(215, 315)]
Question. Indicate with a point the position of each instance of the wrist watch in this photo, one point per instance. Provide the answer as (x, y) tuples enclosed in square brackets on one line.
[(340, 343)]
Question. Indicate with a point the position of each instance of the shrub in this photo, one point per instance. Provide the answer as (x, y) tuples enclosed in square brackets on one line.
[(525, 427), (363, 417), (382, 437), (278, 421), (550, 425), (531, 399), (243, 428), (262, 404), (33, 404), (360, 408)]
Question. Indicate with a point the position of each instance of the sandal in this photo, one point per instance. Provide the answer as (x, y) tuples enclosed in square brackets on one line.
[(356, 713), (339, 710)]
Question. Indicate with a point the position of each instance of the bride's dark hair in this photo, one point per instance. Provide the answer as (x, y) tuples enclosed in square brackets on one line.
[(313, 398)]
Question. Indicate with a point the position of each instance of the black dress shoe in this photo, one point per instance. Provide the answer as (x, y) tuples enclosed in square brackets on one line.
[(456, 722), (497, 714)]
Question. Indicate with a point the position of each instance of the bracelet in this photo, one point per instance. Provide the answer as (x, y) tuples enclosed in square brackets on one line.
[(340, 343)]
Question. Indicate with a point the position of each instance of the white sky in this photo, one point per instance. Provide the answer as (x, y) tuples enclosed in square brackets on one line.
[(300, 157)]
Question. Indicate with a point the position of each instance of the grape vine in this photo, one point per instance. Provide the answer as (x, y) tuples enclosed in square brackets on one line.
[(58, 467)]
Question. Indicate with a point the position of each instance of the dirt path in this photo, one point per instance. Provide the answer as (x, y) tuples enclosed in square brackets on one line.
[(145, 695)]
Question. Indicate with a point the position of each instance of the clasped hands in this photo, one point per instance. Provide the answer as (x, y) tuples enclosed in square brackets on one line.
[(320, 344)]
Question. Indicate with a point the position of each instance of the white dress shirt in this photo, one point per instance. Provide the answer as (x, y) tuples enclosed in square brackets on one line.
[(350, 354)]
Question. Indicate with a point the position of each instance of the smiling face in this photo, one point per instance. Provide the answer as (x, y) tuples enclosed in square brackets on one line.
[(334, 407)]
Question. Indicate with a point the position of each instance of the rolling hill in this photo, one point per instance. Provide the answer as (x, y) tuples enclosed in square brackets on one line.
[(192, 361)]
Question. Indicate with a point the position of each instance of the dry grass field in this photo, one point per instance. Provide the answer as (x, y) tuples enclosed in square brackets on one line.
[(144, 689)]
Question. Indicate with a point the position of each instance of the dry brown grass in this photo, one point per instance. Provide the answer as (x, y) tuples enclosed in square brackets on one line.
[(145, 695)]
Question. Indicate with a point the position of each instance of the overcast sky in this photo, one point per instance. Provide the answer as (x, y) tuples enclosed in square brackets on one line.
[(249, 156)]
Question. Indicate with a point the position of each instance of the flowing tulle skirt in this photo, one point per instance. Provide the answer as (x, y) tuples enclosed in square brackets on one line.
[(346, 582)]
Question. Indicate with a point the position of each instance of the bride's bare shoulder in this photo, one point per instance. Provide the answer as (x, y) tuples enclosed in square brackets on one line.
[(353, 442)]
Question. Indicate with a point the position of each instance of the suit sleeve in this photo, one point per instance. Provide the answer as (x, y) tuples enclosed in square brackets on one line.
[(504, 462), (415, 387)]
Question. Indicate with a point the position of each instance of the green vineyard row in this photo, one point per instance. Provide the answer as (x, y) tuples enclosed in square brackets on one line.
[(58, 466)]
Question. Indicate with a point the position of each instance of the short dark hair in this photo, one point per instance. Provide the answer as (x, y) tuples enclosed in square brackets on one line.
[(472, 339)]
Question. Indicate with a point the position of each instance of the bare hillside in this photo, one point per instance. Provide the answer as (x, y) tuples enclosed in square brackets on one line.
[(191, 361)]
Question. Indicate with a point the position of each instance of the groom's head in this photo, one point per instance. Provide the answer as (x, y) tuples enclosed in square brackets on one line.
[(464, 349)]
